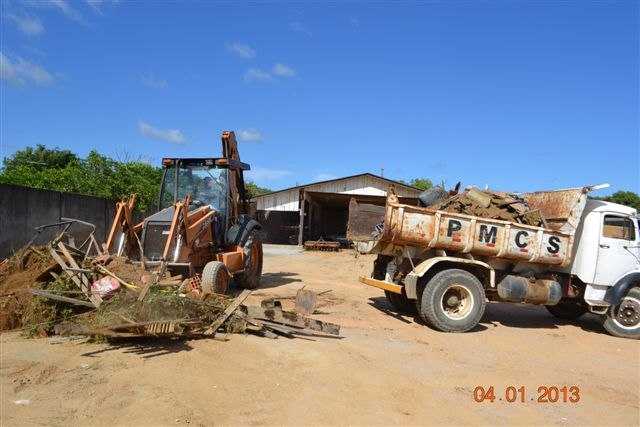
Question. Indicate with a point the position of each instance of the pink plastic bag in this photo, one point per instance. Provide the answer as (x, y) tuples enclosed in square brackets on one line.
[(105, 287)]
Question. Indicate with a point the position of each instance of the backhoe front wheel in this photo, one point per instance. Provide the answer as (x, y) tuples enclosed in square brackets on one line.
[(250, 277), (453, 301), (623, 320), (215, 278)]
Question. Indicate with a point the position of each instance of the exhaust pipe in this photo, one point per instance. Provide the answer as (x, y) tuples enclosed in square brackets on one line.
[(519, 289)]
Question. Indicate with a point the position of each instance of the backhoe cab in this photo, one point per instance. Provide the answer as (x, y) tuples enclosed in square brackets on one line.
[(202, 226)]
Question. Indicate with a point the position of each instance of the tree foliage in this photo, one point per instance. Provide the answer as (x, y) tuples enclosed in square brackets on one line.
[(421, 183), (627, 198), (254, 190), (97, 175)]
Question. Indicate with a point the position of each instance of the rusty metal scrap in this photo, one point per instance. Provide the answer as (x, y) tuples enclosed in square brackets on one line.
[(494, 205)]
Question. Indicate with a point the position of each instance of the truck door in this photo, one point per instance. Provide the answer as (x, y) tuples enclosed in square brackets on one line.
[(617, 250)]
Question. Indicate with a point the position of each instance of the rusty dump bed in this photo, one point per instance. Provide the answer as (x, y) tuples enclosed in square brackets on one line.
[(433, 229)]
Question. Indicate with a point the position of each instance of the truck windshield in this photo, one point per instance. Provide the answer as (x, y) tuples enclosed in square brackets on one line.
[(206, 185)]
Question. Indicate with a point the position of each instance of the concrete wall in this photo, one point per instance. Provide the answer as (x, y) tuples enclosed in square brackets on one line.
[(22, 209)]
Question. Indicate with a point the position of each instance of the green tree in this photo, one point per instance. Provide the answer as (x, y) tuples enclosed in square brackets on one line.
[(254, 190), (97, 175), (39, 158), (627, 198), (421, 183)]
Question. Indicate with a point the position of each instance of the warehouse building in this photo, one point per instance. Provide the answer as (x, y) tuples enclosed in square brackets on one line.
[(321, 210)]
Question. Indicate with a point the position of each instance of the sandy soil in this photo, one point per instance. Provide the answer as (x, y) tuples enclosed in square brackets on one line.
[(386, 370)]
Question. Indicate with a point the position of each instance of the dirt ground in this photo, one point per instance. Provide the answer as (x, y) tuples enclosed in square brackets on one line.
[(386, 370)]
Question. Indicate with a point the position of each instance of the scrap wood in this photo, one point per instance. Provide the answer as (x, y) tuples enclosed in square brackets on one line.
[(227, 312), (95, 299), (272, 311), (156, 278), (292, 330), (45, 294)]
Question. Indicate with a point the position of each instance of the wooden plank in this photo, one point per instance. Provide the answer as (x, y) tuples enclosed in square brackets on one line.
[(45, 294), (86, 285), (227, 312), (275, 314), (65, 267), (156, 277)]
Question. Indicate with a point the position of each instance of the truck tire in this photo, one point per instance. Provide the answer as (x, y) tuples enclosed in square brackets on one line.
[(215, 278), (400, 302), (568, 310), (250, 277), (623, 320), (453, 301)]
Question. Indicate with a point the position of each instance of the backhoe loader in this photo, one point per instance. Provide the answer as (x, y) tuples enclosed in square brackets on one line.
[(202, 228)]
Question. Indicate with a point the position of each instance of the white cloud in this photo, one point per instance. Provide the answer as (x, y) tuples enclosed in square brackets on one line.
[(62, 6), (283, 71), (170, 135), (96, 5), (150, 79), (256, 75), (299, 28), (241, 49), (262, 174), (29, 26), (20, 71), (249, 135), (324, 177)]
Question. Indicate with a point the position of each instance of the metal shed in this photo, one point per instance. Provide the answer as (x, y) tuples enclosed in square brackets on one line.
[(321, 209)]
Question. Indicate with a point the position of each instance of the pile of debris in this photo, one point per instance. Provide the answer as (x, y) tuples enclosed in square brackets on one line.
[(58, 289), (490, 204)]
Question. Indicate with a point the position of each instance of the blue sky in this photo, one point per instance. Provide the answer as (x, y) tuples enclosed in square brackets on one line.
[(517, 95)]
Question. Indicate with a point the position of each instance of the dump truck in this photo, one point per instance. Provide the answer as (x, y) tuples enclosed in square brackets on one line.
[(202, 230), (446, 265)]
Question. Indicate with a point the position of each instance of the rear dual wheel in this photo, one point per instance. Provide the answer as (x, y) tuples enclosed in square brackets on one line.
[(400, 301)]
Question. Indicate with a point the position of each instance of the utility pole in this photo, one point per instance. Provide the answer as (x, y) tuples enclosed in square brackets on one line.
[(382, 171)]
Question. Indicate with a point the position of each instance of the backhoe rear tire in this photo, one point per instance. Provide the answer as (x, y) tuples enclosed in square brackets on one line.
[(453, 301), (250, 277)]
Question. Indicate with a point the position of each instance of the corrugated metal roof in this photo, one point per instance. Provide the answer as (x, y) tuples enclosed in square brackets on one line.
[(341, 179)]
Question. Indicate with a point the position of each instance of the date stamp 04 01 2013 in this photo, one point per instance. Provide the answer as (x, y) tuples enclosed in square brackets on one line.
[(512, 394)]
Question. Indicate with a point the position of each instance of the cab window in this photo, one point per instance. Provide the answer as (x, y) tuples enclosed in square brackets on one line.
[(617, 227)]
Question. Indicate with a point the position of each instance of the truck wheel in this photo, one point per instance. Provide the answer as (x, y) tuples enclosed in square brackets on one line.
[(400, 302), (215, 278), (568, 310), (623, 320), (250, 277), (453, 301)]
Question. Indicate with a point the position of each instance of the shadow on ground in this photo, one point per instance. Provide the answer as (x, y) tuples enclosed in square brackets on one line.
[(144, 347), (281, 278), (519, 316), (525, 316)]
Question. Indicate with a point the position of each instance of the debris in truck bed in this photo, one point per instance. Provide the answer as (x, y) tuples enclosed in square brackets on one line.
[(489, 204)]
